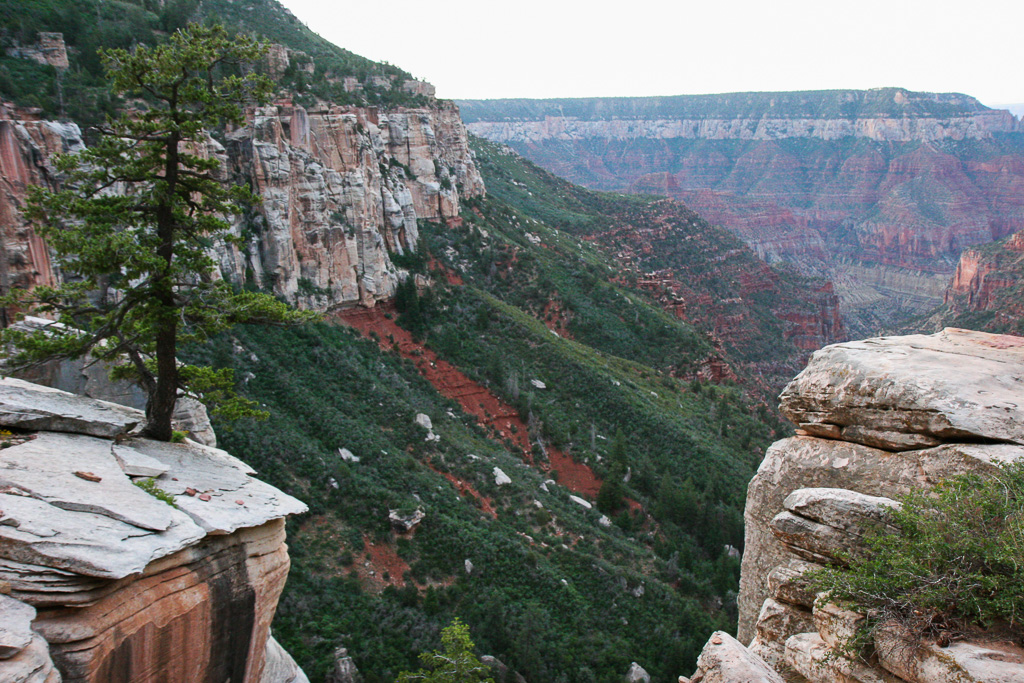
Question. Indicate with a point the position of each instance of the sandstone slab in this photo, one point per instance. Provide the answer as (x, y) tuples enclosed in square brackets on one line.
[(33, 531), (224, 479), (907, 386), (24, 405), (45, 467)]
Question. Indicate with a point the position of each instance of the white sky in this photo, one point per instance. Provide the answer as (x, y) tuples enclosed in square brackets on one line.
[(567, 48)]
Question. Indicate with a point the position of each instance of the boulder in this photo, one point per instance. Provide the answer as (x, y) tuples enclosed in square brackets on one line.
[(404, 523), (826, 524), (24, 405), (836, 626), (32, 664), (423, 420), (725, 660), (787, 583), (581, 502), (889, 392), (841, 509), (637, 674), (500, 478), (344, 669)]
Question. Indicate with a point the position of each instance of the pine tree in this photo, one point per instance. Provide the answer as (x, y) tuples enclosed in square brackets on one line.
[(134, 222), (456, 664)]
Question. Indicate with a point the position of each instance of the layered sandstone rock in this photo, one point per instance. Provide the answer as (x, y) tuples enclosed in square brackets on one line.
[(872, 189), (342, 190), (879, 418), (119, 585), (988, 281)]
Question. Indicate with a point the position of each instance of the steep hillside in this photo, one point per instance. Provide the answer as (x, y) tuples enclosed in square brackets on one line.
[(761, 320), (877, 190)]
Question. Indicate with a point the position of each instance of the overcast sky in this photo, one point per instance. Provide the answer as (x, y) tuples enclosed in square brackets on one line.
[(560, 48)]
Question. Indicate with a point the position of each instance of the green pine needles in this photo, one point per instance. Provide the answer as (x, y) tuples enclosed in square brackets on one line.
[(956, 564), (456, 664), (135, 220)]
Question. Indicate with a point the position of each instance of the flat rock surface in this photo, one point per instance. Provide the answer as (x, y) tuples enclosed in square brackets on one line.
[(24, 405), (951, 385), (236, 500), (45, 468), (35, 532)]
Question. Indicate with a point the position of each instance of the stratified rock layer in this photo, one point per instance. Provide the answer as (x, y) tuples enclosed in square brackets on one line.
[(118, 584), (814, 497), (341, 188), (878, 190)]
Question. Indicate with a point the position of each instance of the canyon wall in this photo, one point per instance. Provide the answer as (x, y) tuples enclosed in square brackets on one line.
[(836, 182), (102, 580), (877, 419), (986, 289), (341, 189)]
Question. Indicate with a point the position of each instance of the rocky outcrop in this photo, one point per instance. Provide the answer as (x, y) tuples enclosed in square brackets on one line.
[(342, 190), (116, 582), (875, 190), (877, 419), (48, 50)]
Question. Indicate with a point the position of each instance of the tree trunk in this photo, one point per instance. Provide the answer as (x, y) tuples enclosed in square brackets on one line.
[(160, 407)]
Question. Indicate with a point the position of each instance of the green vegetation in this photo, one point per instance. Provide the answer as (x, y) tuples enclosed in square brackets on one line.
[(150, 487), (81, 94), (544, 580), (955, 563), (456, 664), (148, 249)]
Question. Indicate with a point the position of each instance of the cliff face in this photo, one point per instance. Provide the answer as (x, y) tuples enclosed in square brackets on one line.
[(106, 582), (26, 148), (877, 419), (986, 288), (341, 189), (889, 180)]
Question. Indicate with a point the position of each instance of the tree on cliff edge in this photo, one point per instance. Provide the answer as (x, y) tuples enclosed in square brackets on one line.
[(134, 222)]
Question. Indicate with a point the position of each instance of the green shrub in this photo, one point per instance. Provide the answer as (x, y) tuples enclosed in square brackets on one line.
[(956, 563)]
